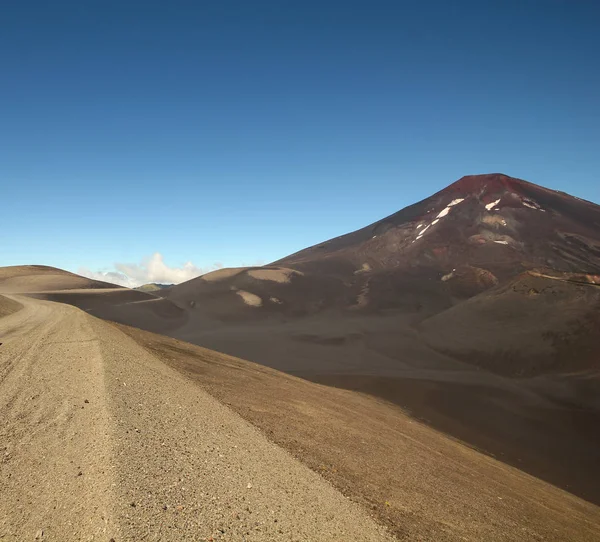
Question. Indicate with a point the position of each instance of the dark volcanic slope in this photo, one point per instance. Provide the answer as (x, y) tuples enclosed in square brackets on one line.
[(492, 271), (479, 231), (527, 326), (490, 220)]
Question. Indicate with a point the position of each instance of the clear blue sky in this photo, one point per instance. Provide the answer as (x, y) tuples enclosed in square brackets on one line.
[(239, 132)]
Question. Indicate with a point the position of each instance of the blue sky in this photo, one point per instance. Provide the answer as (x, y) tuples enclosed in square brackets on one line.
[(232, 133)]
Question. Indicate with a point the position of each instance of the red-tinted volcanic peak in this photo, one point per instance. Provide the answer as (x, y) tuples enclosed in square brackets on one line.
[(496, 183), (472, 184), (498, 190)]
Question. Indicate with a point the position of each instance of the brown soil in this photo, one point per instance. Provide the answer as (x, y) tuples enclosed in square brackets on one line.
[(556, 442), (422, 484), (8, 306)]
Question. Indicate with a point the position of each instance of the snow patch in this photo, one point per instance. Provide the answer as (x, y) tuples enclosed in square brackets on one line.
[(420, 225), (456, 202), (501, 242), (490, 206), (532, 205), (443, 212), (425, 229)]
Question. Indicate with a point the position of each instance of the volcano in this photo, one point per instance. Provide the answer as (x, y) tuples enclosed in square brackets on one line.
[(492, 270), (500, 224)]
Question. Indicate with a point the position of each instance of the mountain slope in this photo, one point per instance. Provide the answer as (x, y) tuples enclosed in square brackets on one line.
[(491, 219), (102, 299), (479, 231), (41, 278), (530, 325), (103, 441), (492, 271)]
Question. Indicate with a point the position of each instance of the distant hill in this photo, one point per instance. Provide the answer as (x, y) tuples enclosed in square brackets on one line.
[(152, 287), (42, 278), (102, 299)]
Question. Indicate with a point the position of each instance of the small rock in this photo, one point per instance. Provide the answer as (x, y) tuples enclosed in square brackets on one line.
[(39, 535), (249, 486), (80, 473), (86, 401)]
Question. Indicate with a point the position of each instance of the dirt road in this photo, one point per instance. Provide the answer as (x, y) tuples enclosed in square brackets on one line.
[(101, 441)]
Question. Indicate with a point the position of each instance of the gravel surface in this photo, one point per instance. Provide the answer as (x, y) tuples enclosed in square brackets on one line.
[(418, 481), (102, 441)]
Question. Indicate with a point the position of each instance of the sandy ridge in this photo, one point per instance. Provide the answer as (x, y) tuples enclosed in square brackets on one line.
[(55, 458), (149, 457)]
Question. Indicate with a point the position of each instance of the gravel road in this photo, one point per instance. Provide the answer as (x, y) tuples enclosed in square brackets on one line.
[(102, 441)]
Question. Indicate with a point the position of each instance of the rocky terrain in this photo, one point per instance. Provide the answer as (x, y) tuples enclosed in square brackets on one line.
[(102, 441), (111, 433)]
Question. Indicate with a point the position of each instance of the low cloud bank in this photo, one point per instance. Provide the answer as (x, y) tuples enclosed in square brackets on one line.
[(152, 269)]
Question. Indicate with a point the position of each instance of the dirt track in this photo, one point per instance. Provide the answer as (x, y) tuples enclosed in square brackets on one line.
[(102, 441)]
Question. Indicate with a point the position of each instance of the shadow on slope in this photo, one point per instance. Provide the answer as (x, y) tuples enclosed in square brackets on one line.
[(532, 325), (123, 305), (8, 306), (418, 481)]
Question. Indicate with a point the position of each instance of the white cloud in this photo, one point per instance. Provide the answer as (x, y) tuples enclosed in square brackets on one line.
[(107, 276), (152, 269)]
